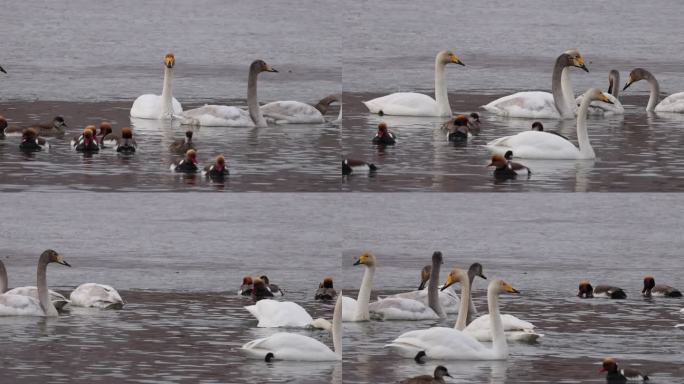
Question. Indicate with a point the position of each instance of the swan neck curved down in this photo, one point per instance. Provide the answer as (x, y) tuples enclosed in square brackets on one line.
[(43, 293), (471, 305), (500, 347), (337, 326), (252, 102), (441, 94), (655, 91), (585, 148), (3, 278), (363, 299), (614, 80), (167, 94), (462, 318), (433, 289), (560, 80)]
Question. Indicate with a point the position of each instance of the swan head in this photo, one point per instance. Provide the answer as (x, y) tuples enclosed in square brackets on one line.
[(457, 275), (636, 75), (29, 133), (126, 133), (448, 57), (538, 126), (105, 128), (58, 122), (51, 256), (2, 70), (649, 284), (609, 365), (585, 290), (424, 276), (440, 372), (476, 269), (367, 259), (191, 155), (597, 94), (259, 66), (327, 282), (501, 286), (574, 59), (169, 60)]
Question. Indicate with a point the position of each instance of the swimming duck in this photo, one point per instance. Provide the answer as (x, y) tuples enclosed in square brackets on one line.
[(437, 378), (651, 289), (614, 375), (260, 290), (586, 291), (246, 287), (507, 169), (325, 290), (78, 139), (181, 146), (54, 129), (275, 290), (384, 136), (89, 143), (457, 129), (187, 164), (350, 166), (30, 142), (126, 144), (218, 170)]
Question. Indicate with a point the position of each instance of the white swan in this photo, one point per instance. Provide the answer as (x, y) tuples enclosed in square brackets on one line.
[(599, 107), (399, 308), (292, 346), (545, 145), (673, 103), (357, 310), (296, 112), (57, 299), (18, 305), (560, 103), (515, 329), (448, 299), (274, 314), (157, 107), (96, 296), (418, 104), (444, 343), (227, 116)]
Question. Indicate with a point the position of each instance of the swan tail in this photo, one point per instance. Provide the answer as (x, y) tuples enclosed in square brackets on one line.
[(321, 323)]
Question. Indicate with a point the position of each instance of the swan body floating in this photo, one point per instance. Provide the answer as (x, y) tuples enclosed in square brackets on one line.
[(357, 310), (18, 305), (275, 314), (545, 145), (444, 343), (57, 299), (515, 329), (229, 116), (96, 296), (296, 112), (673, 103), (158, 107), (292, 346), (418, 104), (559, 104), (606, 109)]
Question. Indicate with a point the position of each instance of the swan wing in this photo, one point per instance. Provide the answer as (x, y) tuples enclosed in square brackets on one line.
[(397, 308), (289, 346), (673, 103), (510, 323), (404, 104), (526, 336), (58, 300), (273, 314), (448, 298), (348, 308), (535, 145), (19, 305), (217, 116), (96, 296), (149, 106), (532, 104), (439, 343), (597, 107), (292, 112)]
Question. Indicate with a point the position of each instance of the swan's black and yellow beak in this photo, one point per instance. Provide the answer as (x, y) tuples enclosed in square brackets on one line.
[(579, 63), (270, 69), (451, 280), (2, 70), (508, 288), (60, 260), (456, 60), (169, 61), (605, 99), (482, 276)]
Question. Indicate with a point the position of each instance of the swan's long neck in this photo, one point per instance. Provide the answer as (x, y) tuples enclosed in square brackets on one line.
[(614, 86), (463, 305), (363, 299), (252, 102), (655, 92), (586, 151), (3, 278), (167, 94), (499, 344), (441, 94), (43, 294), (471, 305), (433, 289), (337, 327), (561, 88)]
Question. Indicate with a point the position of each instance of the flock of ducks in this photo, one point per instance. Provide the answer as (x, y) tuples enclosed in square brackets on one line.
[(166, 107), (536, 143)]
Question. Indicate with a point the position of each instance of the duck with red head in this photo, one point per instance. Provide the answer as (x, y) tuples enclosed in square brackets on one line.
[(246, 287), (615, 375), (187, 164), (660, 290), (30, 142), (587, 291), (325, 290), (126, 144), (105, 130), (384, 136), (78, 139), (458, 129), (217, 171), (260, 290), (89, 143), (274, 289), (181, 146)]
